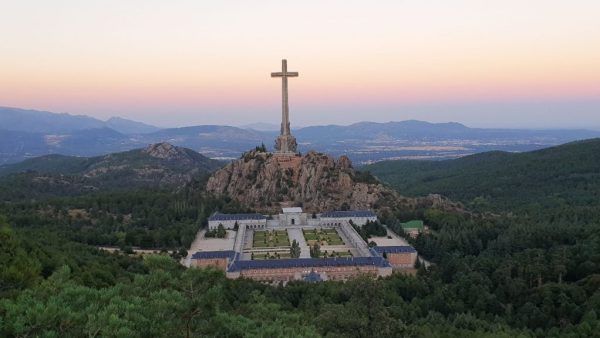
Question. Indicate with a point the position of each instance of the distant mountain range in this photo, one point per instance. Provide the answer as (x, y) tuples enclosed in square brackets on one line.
[(261, 126), (35, 121), (29, 133)]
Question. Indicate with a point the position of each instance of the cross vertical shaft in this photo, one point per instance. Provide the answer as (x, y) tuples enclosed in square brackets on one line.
[(285, 108)]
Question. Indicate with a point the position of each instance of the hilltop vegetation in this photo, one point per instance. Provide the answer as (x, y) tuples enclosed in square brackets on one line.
[(158, 166), (532, 270), (156, 156), (555, 177)]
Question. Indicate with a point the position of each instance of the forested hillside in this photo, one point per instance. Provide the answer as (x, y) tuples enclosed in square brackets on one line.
[(160, 165), (532, 270), (554, 177)]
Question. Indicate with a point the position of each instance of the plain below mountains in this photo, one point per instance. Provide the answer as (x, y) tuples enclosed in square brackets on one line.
[(158, 165), (27, 133), (556, 177)]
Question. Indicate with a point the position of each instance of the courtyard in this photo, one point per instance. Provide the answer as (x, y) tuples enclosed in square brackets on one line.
[(270, 239), (323, 237), (275, 243)]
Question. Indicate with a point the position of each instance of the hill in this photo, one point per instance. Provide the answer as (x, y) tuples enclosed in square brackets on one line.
[(157, 165), (28, 120), (126, 126), (414, 129), (209, 139), (529, 275), (394, 130), (368, 142), (566, 174), (317, 182)]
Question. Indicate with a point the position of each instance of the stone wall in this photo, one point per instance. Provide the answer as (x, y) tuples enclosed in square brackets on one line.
[(402, 259), (360, 221), (290, 274), (219, 263), (230, 224)]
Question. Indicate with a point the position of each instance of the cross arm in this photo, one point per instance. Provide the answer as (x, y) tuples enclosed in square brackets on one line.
[(281, 74)]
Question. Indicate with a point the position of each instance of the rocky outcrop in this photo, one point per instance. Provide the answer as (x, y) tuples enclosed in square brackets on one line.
[(165, 151), (317, 182), (184, 156), (160, 164)]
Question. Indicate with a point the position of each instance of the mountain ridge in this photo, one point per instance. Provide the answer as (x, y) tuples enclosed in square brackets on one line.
[(364, 142), (31, 120), (157, 165), (510, 180)]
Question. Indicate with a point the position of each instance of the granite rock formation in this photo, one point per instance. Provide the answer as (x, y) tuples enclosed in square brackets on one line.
[(315, 181)]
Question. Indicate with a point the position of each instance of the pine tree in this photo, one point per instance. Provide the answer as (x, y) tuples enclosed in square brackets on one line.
[(295, 249)]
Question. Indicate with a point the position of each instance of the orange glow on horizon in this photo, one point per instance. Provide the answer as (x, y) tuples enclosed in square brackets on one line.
[(89, 56)]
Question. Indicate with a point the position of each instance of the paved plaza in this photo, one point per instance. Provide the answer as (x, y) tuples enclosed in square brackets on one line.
[(202, 243), (395, 240)]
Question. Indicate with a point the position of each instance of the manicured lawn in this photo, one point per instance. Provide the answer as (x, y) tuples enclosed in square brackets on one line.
[(322, 236), (269, 239), (334, 253), (271, 255)]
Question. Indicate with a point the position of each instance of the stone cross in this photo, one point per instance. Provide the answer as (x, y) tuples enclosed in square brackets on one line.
[(285, 109)]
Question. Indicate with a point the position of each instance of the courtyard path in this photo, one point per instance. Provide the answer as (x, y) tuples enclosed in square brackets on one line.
[(296, 234)]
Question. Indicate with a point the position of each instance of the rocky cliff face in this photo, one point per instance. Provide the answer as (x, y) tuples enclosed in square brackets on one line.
[(315, 181)]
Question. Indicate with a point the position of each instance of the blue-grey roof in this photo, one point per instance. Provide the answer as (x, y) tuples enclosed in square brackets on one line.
[(350, 213), (307, 263), (236, 217), (214, 254), (393, 249), (313, 277)]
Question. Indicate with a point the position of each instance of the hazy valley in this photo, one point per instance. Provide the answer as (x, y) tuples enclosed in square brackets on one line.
[(25, 134)]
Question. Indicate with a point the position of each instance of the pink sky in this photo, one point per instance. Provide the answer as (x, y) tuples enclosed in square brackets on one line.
[(191, 62)]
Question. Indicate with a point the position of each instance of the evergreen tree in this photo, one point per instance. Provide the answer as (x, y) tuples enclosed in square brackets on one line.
[(295, 249), (315, 251), (221, 232)]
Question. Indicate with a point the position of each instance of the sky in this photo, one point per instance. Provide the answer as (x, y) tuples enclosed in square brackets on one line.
[(493, 63)]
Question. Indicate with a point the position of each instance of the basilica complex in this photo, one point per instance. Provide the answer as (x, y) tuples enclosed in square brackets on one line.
[(293, 244)]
